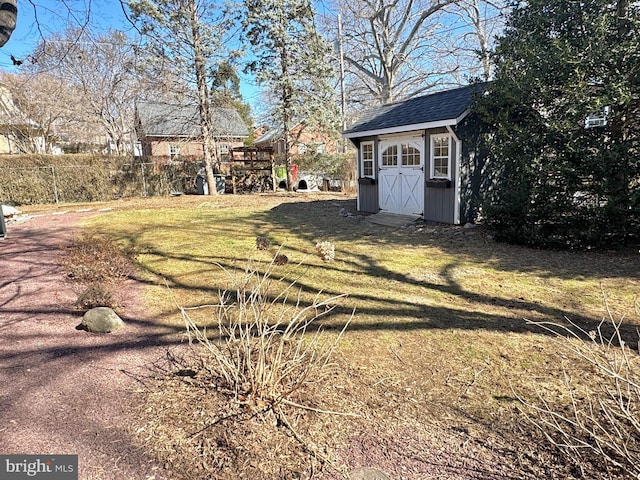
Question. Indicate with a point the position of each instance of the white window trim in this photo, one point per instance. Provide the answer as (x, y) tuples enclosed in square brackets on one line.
[(373, 157), (432, 154)]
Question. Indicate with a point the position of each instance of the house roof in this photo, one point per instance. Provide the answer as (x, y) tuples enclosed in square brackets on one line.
[(166, 120), (438, 109), (270, 136), (277, 133)]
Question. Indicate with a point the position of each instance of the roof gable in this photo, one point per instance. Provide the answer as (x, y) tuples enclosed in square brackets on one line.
[(159, 119), (272, 135), (437, 109)]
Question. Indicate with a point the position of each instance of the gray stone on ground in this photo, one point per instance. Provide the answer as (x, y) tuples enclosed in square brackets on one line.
[(101, 320)]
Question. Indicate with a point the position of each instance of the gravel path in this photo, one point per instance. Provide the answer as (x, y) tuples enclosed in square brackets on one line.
[(67, 391)]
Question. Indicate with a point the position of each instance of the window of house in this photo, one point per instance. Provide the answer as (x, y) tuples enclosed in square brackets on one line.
[(366, 159), (302, 148), (390, 156), (441, 156), (410, 155), (320, 148), (596, 120), (174, 151), (224, 149)]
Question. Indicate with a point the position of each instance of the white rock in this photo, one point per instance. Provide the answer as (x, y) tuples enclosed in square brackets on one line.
[(9, 211)]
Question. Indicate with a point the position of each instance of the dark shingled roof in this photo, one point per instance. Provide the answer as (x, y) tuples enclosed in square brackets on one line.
[(436, 107), (166, 120)]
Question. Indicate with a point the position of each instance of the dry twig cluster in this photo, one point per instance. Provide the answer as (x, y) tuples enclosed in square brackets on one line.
[(601, 379), (266, 347)]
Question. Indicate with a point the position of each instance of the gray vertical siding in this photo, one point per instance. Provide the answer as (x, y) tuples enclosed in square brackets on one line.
[(475, 159), (368, 198), (368, 194), (439, 203)]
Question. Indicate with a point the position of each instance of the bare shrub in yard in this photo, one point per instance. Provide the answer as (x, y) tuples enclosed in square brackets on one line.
[(95, 295), (600, 423), (267, 347), (93, 259), (96, 263), (262, 243)]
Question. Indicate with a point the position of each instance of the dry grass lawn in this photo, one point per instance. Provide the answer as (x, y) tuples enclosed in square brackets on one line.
[(425, 381)]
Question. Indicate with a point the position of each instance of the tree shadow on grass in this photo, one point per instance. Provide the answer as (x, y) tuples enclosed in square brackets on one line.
[(321, 219), (428, 304)]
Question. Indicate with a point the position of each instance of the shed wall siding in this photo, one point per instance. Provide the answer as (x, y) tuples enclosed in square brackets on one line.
[(368, 194), (475, 158), (368, 198), (439, 203)]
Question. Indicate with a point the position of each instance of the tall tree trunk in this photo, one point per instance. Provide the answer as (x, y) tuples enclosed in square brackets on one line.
[(204, 107), (286, 115)]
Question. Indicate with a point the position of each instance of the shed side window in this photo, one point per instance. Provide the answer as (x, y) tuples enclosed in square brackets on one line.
[(390, 156), (441, 156), (366, 159)]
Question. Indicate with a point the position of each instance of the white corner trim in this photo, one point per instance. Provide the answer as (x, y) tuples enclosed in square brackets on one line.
[(456, 186), (452, 133)]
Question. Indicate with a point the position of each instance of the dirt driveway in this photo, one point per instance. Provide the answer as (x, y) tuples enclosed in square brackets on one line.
[(67, 391)]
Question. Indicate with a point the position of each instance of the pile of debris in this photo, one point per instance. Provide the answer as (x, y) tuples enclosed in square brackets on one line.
[(253, 183)]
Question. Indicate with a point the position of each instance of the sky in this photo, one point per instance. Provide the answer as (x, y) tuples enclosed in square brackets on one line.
[(37, 19)]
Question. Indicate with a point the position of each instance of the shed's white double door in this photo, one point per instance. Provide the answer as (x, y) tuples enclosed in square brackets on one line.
[(401, 175)]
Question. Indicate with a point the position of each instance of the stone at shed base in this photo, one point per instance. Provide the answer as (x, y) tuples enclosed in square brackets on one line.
[(368, 474), (101, 320)]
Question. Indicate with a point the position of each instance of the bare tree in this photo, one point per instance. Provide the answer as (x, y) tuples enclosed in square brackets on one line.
[(35, 106), (388, 46), (190, 36), (471, 38), (101, 70), (396, 49)]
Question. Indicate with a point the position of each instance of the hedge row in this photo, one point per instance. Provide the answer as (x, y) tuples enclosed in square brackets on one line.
[(37, 179)]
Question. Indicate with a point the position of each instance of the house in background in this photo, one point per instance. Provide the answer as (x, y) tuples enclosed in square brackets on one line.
[(168, 132), (417, 157), (18, 132), (305, 140)]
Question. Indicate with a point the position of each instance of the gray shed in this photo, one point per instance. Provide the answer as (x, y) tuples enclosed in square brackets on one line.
[(411, 156)]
